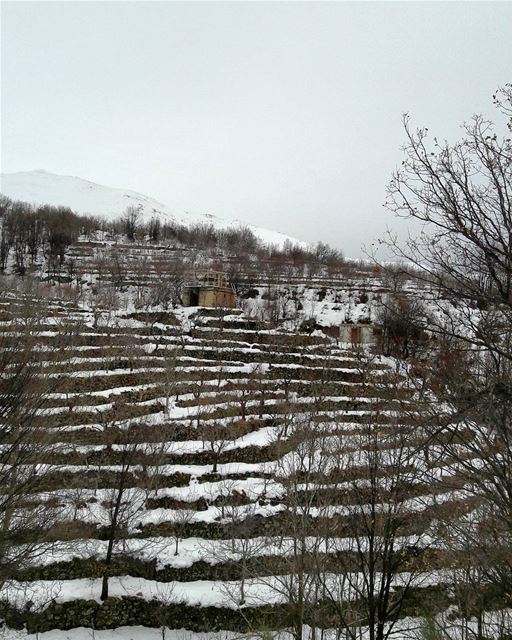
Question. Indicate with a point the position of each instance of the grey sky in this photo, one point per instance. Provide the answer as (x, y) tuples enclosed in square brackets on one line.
[(286, 115)]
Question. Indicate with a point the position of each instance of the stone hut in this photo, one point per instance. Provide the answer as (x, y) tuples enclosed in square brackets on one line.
[(359, 333), (209, 289)]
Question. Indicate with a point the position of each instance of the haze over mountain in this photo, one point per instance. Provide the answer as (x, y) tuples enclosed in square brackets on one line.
[(85, 197)]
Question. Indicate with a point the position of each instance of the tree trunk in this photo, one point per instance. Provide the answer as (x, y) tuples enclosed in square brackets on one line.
[(104, 585), (113, 532), (242, 590)]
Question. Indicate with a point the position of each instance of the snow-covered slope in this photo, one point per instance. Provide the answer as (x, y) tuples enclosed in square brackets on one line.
[(41, 187)]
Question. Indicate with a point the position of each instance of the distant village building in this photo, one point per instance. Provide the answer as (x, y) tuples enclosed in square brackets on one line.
[(209, 289), (359, 333)]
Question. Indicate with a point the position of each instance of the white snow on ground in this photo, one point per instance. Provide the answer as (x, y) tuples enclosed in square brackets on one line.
[(405, 629), (191, 550), (217, 593), (121, 633), (201, 593), (83, 196), (97, 513)]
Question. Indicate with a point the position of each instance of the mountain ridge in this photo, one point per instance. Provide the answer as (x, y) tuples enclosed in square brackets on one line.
[(87, 197)]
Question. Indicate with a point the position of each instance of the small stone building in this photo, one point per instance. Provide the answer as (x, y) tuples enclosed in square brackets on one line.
[(359, 333), (209, 289)]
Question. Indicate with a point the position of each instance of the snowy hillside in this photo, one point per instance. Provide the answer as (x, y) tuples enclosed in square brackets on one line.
[(41, 187)]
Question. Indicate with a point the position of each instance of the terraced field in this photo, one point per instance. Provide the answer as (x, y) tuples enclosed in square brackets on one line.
[(218, 475)]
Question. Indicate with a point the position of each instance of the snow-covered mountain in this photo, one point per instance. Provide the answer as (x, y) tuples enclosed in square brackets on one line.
[(83, 196)]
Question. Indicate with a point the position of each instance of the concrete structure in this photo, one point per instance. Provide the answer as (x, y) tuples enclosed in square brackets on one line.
[(209, 289), (359, 333)]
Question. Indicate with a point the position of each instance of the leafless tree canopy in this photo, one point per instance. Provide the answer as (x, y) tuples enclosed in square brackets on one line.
[(462, 193)]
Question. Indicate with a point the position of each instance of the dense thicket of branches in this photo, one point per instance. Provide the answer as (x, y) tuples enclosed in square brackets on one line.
[(402, 321), (28, 232), (24, 448), (462, 194)]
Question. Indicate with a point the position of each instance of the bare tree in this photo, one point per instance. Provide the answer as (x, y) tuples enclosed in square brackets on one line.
[(299, 471), (217, 437), (461, 194), (168, 288), (166, 596), (124, 499), (154, 229), (245, 390), (243, 546), (26, 448), (104, 302), (402, 320), (380, 543), (130, 221), (182, 518)]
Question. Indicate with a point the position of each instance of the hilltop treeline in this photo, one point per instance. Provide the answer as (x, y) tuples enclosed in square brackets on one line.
[(30, 233)]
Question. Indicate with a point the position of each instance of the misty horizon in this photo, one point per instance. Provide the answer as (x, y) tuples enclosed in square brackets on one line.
[(282, 115)]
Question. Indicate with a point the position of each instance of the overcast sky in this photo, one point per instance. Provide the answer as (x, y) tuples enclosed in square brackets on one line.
[(285, 115)]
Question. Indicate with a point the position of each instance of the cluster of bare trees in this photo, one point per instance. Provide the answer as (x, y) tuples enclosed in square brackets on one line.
[(402, 321), (348, 552), (359, 548), (134, 482), (28, 232), (25, 448), (461, 194), (235, 241)]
